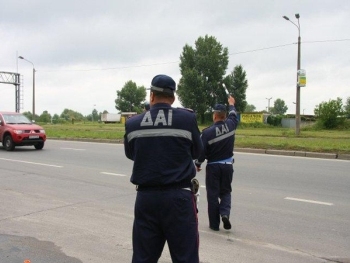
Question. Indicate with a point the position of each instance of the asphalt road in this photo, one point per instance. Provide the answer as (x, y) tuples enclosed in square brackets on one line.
[(73, 202)]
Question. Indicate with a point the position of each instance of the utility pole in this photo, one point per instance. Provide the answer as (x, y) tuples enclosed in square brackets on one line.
[(297, 112), (268, 104)]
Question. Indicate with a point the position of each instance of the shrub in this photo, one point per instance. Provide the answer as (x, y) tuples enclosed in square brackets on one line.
[(330, 114), (275, 120)]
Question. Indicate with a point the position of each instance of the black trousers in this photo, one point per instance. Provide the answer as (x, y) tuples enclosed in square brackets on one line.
[(165, 215), (218, 180)]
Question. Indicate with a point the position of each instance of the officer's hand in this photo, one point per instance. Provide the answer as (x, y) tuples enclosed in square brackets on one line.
[(231, 100)]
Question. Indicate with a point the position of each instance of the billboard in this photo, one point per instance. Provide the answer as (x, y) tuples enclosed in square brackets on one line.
[(252, 117)]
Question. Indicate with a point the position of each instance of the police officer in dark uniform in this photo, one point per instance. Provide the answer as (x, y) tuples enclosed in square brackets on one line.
[(218, 141), (163, 142), (147, 106)]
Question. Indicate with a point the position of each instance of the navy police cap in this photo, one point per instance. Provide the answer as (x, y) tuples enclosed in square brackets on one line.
[(219, 107), (163, 83)]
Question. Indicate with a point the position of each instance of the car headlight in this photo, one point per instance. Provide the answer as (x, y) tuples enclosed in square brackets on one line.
[(18, 131), (42, 131)]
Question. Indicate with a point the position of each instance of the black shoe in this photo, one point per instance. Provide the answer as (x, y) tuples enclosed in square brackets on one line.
[(214, 228), (226, 221)]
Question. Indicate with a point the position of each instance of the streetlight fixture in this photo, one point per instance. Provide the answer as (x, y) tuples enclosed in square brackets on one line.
[(33, 111), (297, 113), (268, 104)]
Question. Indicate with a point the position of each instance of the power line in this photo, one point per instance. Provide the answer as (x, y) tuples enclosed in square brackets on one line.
[(260, 49), (303, 42), (125, 67), (323, 41), (172, 62)]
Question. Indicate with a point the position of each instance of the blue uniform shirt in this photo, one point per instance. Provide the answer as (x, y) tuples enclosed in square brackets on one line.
[(163, 142), (218, 140)]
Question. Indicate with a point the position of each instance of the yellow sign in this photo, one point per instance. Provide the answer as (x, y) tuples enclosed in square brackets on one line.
[(301, 78), (251, 117), (302, 81)]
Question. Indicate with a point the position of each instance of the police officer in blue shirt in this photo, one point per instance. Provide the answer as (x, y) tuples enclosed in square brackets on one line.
[(163, 142), (218, 141)]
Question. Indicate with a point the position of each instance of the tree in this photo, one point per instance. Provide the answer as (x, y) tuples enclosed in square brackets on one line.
[(347, 107), (330, 114), (250, 108), (28, 114), (55, 118), (69, 115), (202, 71), (130, 98), (95, 116), (45, 117), (279, 107), (237, 85)]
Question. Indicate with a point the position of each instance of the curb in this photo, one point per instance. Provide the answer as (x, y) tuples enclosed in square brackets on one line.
[(295, 153)]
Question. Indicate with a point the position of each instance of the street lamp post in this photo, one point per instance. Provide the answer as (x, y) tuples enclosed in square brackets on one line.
[(33, 111), (297, 113), (92, 115), (268, 104)]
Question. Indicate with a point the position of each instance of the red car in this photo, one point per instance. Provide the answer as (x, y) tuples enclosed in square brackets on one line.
[(17, 130)]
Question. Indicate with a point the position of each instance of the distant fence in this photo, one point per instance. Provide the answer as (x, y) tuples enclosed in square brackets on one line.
[(290, 123)]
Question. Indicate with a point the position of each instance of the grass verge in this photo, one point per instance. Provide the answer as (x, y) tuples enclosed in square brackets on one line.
[(262, 138)]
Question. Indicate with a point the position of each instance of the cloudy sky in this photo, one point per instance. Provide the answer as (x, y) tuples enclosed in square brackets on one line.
[(84, 51)]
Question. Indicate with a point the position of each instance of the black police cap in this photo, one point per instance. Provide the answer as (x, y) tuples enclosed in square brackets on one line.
[(163, 83), (219, 108)]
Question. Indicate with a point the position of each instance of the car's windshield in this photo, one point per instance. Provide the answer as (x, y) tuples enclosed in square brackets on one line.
[(16, 119)]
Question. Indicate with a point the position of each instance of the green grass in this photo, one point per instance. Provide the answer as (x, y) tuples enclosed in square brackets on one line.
[(265, 137)]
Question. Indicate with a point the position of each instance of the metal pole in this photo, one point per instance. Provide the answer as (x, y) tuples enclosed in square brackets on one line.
[(297, 120), (297, 110), (268, 104), (33, 93), (33, 110)]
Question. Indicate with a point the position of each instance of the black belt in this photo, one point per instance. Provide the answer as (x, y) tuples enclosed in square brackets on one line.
[(162, 187)]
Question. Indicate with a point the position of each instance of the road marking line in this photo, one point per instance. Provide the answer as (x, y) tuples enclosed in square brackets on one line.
[(113, 174), (308, 201), (43, 164), (74, 149)]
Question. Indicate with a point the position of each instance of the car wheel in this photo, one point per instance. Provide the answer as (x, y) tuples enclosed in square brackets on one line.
[(39, 145), (8, 143)]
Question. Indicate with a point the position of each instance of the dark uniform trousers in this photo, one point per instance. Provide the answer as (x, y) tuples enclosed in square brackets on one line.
[(218, 185), (162, 215)]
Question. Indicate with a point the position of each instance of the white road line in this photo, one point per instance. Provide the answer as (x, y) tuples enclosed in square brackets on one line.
[(43, 164), (308, 201), (74, 149), (113, 174)]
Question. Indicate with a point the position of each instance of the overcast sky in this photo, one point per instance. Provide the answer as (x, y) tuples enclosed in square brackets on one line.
[(84, 51)]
